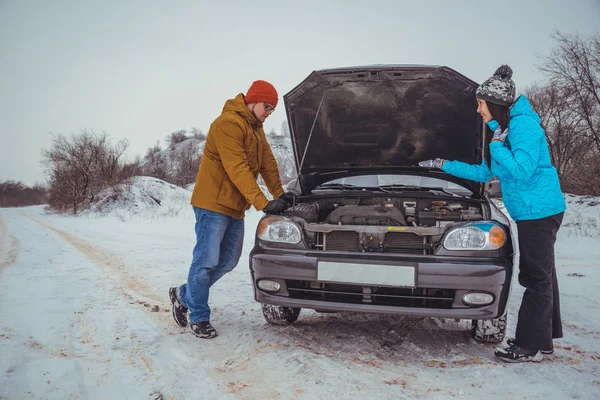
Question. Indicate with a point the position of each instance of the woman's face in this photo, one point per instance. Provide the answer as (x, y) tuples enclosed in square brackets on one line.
[(483, 110)]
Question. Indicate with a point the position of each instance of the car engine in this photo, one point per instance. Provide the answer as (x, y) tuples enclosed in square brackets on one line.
[(380, 224)]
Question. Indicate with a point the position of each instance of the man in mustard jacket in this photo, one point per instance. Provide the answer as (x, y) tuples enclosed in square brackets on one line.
[(236, 151)]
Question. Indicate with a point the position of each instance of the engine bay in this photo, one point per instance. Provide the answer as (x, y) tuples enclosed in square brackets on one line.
[(410, 225), (387, 211)]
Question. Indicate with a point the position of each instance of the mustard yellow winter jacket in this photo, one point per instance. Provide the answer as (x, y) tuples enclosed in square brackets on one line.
[(236, 151)]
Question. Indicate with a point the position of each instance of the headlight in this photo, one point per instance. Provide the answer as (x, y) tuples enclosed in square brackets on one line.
[(475, 236), (278, 229)]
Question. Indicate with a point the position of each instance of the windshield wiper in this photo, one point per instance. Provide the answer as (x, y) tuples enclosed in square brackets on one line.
[(395, 187), (338, 186)]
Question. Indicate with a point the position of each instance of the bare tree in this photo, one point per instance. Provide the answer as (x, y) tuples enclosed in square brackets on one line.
[(176, 137), (197, 133), (81, 165), (185, 164), (16, 194), (154, 163), (564, 127), (67, 188), (574, 67), (585, 178), (569, 108), (153, 150), (156, 166)]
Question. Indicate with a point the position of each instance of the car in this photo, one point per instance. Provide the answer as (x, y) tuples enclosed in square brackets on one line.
[(371, 231)]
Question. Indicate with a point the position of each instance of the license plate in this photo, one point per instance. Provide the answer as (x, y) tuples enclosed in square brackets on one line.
[(366, 274)]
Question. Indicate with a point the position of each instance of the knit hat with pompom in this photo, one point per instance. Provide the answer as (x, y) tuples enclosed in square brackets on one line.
[(499, 89)]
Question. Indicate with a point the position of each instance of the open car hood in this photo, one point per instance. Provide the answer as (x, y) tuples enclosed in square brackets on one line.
[(385, 118)]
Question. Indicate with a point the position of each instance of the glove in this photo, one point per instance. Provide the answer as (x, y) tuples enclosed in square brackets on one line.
[(499, 135), (437, 163), (289, 197), (276, 206)]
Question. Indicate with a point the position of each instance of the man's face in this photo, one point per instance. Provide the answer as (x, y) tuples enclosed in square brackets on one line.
[(262, 110)]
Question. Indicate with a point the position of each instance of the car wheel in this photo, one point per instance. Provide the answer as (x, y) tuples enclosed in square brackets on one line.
[(277, 315), (489, 330)]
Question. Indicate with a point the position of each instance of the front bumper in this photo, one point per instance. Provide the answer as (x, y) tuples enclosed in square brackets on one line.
[(441, 283)]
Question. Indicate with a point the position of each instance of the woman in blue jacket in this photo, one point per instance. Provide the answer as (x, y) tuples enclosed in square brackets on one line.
[(519, 157)]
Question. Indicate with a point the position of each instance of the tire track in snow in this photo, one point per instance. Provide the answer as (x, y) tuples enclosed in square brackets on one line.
[(134, 289), (113, 265), (115, 270), (143, 295), (9, 245), (106, 341)]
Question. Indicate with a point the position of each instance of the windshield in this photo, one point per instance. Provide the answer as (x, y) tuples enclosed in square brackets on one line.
[(390, 181)]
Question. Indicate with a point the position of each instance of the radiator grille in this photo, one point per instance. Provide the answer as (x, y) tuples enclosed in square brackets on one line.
[(394, 242), (404, 243), (342, 241), (385, 296)]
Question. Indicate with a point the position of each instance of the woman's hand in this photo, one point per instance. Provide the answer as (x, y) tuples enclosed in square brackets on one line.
[(500, 136), (437, 163)]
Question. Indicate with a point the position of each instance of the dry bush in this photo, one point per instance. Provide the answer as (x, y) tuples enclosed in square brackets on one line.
[(185, 165), (176, 137), (154, 163), (16, 194), (81, 165), (197, 133)]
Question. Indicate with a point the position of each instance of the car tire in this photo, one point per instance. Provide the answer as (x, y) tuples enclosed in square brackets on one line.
[(277, 315), (489, 330)]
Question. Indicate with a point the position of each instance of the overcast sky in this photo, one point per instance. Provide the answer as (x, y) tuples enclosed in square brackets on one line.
[(139, 70)]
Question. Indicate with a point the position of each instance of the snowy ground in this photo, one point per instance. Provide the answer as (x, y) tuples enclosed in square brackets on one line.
[(85, 314)]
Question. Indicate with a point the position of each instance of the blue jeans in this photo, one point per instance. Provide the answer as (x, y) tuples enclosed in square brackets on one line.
[(219, 242)]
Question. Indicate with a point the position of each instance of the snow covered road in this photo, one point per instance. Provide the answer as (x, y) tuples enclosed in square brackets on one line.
[(84, 313), (72, 325)]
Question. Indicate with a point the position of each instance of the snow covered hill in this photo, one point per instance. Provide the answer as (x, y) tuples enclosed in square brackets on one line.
[(582, 217), (144, 197)]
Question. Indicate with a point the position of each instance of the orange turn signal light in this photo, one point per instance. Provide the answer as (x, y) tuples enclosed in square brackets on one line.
[(497, 237)]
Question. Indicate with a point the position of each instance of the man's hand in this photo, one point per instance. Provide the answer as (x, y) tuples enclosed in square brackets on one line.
[(499, 135), (276, 206), (437, 163), (289, 197)]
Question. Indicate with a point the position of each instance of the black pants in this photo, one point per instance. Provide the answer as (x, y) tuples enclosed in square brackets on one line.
[(539, 316)]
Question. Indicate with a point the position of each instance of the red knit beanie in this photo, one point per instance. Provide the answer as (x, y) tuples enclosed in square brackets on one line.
[(262, 91)]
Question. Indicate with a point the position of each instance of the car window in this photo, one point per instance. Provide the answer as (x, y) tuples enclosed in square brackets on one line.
[(407, 180), (362, 180)]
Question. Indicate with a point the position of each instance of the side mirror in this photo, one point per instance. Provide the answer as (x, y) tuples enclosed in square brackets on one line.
[(493, 188)]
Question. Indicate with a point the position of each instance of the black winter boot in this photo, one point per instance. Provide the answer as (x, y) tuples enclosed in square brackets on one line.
[(516, 354), (178, 309), (511, 342), (203, 330)]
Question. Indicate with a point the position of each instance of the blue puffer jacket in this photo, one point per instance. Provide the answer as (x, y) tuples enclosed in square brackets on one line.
[(530, 186)]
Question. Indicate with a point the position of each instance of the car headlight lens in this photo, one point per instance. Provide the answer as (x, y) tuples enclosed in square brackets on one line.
[(475, 236), (278, 229)]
